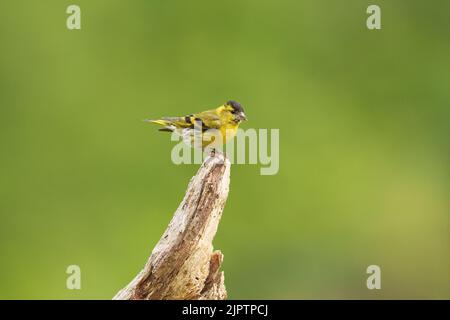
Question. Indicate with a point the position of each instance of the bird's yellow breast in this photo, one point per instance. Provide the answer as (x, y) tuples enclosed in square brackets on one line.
[(228, 131)]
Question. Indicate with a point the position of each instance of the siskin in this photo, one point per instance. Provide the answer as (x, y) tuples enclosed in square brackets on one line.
[(208, 129)]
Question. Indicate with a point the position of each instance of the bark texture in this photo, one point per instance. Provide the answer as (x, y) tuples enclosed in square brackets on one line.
[(183, 264)]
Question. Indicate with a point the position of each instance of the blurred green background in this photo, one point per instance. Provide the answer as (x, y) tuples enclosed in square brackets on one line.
[(364, 159)]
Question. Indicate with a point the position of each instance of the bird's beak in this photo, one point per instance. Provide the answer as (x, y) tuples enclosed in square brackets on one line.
[(242, 116)]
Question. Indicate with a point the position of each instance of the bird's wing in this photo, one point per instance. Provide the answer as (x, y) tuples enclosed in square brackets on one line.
[(199, 121), (210, 119)]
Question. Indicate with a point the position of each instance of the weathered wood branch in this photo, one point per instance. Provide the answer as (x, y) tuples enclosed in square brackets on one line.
[(183, 264)]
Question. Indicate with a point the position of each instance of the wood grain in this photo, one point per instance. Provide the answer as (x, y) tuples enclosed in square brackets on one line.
[(183, 264)]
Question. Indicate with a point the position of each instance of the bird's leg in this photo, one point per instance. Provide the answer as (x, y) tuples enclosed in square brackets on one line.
[(214, 152)]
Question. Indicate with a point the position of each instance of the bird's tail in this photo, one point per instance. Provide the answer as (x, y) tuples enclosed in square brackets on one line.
[(161, 122), (169, 124)]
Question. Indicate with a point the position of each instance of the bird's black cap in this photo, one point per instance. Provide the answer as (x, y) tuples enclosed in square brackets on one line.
[(236, 105)]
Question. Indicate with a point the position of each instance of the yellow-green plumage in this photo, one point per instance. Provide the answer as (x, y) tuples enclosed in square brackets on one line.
[(205, 127)]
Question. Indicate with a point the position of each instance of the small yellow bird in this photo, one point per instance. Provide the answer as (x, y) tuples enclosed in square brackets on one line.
[(207, 129)]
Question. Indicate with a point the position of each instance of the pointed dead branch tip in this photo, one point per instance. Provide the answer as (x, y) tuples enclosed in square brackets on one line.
[(182, 264)]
